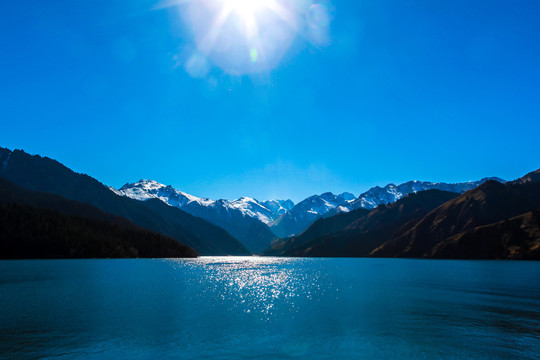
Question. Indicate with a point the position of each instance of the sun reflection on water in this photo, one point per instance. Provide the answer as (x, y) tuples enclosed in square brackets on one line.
[(254, 284)]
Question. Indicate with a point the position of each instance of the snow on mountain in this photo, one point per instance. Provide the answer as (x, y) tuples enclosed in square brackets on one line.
[(278, 207), (391, 192), (282, 216), (244, 218), (303, 214), (252, 208), (149, 189)]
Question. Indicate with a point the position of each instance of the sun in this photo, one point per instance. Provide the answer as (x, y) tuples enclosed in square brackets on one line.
[(246, 8), (245, 36), (247, 13)]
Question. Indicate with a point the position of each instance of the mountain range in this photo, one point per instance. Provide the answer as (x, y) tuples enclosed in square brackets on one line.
[(489, 218), (45, 175), (303, 214), (248, 219), (391, 192), (492, 221), (358, 232), (460, 228), (244, 218)]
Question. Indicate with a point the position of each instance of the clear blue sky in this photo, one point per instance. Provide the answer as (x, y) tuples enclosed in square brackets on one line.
[(391, 91)]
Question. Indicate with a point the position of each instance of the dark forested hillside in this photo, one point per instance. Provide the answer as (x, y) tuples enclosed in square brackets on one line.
[(49, 176), (32, 233), (40, 225)]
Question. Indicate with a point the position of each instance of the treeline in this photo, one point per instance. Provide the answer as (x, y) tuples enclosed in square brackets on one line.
[(30, 233), (35, 225)]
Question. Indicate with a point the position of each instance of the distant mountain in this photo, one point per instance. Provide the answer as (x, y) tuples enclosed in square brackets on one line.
[(321, 227), (492, 221), (303, 214), (299, 218), (46, 175), (35, 225), (245, 218), (283, 217), (358, 232), (391, 193), (277, 207), (495, 220)]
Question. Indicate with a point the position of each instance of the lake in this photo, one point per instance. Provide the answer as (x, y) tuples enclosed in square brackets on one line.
[(256, 307)]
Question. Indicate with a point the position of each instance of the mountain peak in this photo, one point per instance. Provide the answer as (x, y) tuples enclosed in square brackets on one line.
[(533, 176), (494, 178), (145, 189), (142, 183), (347, 196), (245, 199)]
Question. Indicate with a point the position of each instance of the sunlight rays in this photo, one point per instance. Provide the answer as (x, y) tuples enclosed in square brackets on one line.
[(246, 36)]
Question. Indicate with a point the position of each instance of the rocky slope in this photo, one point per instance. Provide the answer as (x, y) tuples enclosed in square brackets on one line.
[(358, 232), (460, 227)]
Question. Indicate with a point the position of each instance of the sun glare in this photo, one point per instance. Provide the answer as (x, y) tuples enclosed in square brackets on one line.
[(245, 7), (247, 36)]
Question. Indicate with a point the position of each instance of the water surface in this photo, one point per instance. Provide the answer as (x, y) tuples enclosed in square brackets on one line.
[(250, 307)]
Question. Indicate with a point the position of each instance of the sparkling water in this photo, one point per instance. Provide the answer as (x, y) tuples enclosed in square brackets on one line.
[(269, 308)]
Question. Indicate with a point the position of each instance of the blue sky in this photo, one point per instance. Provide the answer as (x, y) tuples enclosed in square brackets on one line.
[(394, 91)]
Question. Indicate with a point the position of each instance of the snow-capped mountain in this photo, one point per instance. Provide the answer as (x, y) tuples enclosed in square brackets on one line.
[(306, 212), (391, 193), (303, 214), (244, 218), (150, 189), (278, 207), (265, 211)]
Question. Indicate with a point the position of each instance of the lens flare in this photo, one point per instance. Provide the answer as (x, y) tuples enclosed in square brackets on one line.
[(248, 36), (253, 54)]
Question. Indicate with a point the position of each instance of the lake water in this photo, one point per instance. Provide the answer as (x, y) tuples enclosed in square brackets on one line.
[(251, 307)]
